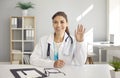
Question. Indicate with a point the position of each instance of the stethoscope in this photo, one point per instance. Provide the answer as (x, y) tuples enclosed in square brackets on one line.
[(48, 48)]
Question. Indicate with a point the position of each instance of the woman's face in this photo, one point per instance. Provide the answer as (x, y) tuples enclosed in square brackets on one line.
[(59, 24)]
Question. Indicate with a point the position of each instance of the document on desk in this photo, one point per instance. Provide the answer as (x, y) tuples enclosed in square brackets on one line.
[(27, 73), (52, 70)]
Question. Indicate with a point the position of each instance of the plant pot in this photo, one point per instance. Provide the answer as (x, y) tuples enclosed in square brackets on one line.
[(24, 12), (115, 74)]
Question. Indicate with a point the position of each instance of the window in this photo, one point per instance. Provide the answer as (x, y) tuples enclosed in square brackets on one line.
[(114, 19)]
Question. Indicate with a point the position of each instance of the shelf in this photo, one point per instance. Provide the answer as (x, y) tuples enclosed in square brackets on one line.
[(16, 28), (28, 40), (16, 52), (27, 52), (16, 40), (28, 28), (22, 38)]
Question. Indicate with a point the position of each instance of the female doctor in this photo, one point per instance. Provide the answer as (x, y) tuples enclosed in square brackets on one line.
[(60, 48)]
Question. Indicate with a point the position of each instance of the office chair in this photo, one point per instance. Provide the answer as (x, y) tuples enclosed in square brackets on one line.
[(89, 42), (90, 54)]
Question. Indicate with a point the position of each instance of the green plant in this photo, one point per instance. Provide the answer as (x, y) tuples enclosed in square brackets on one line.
[(116, 65), (24, 5)]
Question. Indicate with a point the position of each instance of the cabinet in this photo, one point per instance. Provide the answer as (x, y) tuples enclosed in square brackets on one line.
[(22, 38)]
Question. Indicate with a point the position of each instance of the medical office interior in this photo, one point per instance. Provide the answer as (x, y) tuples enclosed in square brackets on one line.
[(101, 18)]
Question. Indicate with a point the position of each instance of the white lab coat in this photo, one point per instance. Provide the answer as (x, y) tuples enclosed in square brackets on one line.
[(71, 53)]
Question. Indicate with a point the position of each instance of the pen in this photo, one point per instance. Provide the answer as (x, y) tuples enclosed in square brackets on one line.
[(24, 73)]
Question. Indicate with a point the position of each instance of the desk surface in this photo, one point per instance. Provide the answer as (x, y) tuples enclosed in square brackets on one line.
[(86, 71), (105, 45)]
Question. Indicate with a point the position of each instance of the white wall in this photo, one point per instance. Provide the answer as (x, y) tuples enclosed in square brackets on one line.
[(114, 26), (44, 9)]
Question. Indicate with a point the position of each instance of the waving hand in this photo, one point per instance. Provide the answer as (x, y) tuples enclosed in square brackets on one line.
[(79, 33)]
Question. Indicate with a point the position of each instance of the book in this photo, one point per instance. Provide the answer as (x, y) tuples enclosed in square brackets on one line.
[(26, 59), (14, 22), (19, 22)]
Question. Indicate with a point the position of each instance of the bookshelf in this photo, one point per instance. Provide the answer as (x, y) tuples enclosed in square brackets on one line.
[(22, 38)]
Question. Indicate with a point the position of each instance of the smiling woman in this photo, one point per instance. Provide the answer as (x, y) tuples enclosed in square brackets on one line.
[(60, 48)]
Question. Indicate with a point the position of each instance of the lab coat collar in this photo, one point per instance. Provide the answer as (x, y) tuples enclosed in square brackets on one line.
[(51, 38)]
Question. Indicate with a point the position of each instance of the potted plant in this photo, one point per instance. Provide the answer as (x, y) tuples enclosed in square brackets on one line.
[(116, 72), (24, 6)]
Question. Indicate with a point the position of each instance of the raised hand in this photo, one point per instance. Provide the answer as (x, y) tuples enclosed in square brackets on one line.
[(79, 33)]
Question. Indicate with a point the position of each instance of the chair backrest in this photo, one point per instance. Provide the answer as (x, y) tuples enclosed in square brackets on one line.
[(89, 40), (89, 43), (115, 58)]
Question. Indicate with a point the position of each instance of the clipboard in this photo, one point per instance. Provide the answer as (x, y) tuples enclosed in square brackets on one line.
[(16, 75)]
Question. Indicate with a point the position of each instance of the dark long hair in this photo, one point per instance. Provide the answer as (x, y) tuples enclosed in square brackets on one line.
[(60, 13)]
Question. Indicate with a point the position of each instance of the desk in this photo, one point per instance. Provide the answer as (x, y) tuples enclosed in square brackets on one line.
[(105, 46), (86, 71)]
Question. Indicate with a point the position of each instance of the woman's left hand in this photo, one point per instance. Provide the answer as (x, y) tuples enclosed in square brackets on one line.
[(79, 33), (59, 64)]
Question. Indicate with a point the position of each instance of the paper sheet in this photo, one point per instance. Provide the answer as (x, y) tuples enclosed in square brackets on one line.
[(29, 74), (52, 70)]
